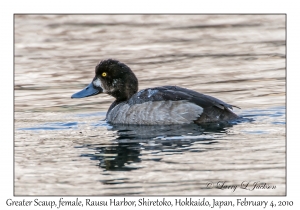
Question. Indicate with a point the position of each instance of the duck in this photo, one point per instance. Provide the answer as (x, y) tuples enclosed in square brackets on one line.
[(164, 105)]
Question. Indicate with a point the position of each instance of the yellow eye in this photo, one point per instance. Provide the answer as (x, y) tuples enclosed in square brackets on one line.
[(104, 74)]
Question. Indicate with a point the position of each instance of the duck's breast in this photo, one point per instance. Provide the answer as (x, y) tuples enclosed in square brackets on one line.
[(154, 113)]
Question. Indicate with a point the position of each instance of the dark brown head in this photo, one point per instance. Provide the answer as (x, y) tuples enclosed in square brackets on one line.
[(111, 77)]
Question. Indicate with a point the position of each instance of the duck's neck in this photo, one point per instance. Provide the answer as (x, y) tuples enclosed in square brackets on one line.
[(125, 90), (122, 95)]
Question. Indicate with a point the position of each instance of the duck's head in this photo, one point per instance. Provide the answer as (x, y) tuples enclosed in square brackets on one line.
[(111, 77)]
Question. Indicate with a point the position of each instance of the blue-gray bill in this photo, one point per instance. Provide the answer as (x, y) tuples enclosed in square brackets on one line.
[(90, 90)]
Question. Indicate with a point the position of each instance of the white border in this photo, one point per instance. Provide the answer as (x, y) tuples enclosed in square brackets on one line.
[(8, 8)]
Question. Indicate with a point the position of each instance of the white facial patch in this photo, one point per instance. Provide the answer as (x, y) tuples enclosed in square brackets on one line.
[(98, 83)]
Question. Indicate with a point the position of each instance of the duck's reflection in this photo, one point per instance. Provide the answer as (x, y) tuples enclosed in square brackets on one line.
[(132, 141)]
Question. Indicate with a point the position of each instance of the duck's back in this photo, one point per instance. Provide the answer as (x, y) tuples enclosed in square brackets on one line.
[(169, 105)]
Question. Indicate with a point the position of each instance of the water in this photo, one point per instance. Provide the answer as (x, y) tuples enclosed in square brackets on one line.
[(63, 146)]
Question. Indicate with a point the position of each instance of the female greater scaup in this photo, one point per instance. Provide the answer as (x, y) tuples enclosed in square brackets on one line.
[(152, 106)]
